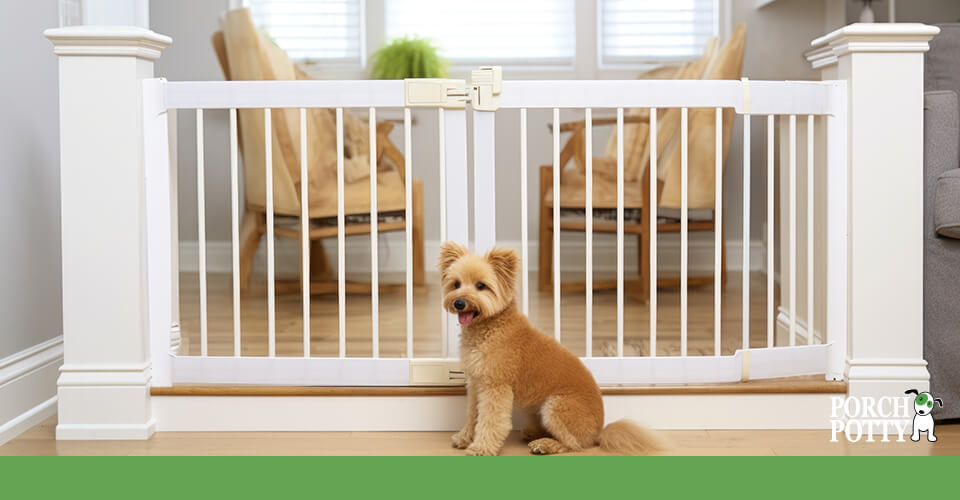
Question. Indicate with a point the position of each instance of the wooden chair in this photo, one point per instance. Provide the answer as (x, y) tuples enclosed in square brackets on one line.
[(723, 64), (244, 54)]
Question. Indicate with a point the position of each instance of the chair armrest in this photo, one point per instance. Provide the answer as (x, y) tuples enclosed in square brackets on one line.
[(580, 124)]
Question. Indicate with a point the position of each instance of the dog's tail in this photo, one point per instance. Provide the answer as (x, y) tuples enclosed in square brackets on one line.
[(625, 437)]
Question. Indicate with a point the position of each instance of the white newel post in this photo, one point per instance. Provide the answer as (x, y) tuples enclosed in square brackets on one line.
[(883, 67), (104, 384)]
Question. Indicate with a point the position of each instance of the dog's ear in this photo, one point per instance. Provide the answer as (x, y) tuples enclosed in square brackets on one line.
[(506, 264), (450, 251), (912, 391)]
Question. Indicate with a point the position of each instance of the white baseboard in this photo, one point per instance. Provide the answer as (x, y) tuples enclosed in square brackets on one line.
[(572, 256), (28, 387), (446, 413)]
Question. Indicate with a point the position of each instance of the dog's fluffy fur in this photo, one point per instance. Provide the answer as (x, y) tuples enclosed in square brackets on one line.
[(510, 363)]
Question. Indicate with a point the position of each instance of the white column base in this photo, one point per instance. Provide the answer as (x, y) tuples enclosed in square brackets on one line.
[(105, 402), (879, 377)]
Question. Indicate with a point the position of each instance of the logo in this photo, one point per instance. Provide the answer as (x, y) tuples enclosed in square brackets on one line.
[(883, 419), (923, 420)]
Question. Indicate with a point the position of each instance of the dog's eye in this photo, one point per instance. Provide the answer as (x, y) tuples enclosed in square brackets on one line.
[(456, 284), (480, 285)]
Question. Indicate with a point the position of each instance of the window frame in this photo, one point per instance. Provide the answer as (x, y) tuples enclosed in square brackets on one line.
[(718, 25), (586, 61)]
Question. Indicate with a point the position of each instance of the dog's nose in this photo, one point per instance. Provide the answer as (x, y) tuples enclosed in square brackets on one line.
[(460, 304)]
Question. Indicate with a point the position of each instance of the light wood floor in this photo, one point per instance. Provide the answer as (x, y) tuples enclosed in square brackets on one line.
[(40, 441), (427, 318)]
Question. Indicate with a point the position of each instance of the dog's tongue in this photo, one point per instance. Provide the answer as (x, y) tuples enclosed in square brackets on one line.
[(465, 317)]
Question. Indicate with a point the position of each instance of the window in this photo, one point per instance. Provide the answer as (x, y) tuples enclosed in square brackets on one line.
[(509, 32), (645, 31), (325, 31)]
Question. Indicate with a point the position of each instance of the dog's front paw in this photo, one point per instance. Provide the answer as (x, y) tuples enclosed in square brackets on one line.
[(931, 438), (481, 451), (461, 440)]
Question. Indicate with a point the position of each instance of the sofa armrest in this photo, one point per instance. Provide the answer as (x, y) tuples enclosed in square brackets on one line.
[(941, 132)]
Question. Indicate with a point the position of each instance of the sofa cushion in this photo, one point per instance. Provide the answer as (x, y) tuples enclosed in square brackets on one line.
[(946, 204)]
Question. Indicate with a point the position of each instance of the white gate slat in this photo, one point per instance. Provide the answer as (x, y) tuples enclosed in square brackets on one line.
[(271, 255), (588, 233), (341, 245), (745, 273), (484, 181), (792, 220), (653, 232), (457, 191), (771, 313), (374, 240), (408, 219), (235, 228), (201, 236), (717, 229), (524, 230), (442, 176), (684, 228), (556, 224), (304, 234), (620, 232), (810, 250)]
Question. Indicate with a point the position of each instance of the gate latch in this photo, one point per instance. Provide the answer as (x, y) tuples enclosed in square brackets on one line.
[(485, 86), (435, 93)]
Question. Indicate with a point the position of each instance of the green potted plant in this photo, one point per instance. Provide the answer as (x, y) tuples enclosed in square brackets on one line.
[(408, 57)]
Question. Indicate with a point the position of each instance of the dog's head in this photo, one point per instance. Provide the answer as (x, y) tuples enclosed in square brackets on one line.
[(477, 287), (923, 402)]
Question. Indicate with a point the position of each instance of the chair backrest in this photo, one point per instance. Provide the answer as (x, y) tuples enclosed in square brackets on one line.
[(245, 54), (701, 157)]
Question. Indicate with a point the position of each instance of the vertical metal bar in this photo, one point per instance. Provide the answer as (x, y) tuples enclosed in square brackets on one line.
[(235, 228), (271, 256), (304, 234), (810, 221), (792, 243), (408, 219), (588, 233), (653, 231), (444, 322), (341, 245), (717, 229), (374, 240), (684, 229), (771, 314), (457, 197), (201, 235), (484, 180), (620, 232), (524, 231), (745, 270), (556, 223)]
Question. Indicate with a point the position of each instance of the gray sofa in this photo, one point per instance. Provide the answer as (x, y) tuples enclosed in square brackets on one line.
[(941, 246)]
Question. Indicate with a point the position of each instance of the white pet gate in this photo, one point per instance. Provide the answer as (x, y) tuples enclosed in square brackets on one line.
[(802, 101)]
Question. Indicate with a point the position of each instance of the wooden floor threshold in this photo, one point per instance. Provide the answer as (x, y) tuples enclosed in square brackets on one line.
[(791, 385)]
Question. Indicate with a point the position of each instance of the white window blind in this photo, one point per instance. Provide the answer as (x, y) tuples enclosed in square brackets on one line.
[(325, 31), (513, 32), (645, 31)]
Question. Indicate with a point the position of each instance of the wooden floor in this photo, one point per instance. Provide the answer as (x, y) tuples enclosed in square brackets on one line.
[(40, 441), (427, 318)]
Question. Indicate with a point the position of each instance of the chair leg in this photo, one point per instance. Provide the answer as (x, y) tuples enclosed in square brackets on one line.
[(251, 230), (644, 256), (545, 276), (418, 269), (319, 265)]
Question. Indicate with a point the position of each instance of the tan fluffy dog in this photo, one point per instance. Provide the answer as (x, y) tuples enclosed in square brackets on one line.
[(508, 362)]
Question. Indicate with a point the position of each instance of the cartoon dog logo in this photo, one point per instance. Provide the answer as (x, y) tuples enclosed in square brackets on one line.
[(923, 420)]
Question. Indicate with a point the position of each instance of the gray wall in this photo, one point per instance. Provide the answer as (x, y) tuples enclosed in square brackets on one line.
[(30, 310)]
